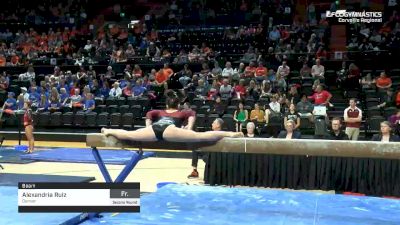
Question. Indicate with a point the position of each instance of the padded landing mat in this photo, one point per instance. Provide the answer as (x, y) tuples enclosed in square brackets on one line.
[(202, 205), (82, 155), (9, 155), (12, 179)]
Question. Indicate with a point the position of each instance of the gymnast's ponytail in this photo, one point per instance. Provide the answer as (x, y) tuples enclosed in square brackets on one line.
[(172, 99)]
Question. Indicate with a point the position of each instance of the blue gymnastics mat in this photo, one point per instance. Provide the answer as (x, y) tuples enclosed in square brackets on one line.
[(82, 155), (204, 205)]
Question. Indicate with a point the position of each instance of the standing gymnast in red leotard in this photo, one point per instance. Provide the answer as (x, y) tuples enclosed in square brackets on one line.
[(166, 125), (28, 124)]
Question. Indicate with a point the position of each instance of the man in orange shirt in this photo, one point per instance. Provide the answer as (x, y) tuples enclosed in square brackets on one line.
[(261, 72), (383, 82), (250, 70), (3, 60)]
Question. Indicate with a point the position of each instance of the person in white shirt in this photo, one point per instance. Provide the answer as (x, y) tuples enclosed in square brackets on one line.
[(116, 91), (318, 70), (88, 45), (352, 117), (274, 108), (28, 76), (24, 92), (283, 69), (227, 72)]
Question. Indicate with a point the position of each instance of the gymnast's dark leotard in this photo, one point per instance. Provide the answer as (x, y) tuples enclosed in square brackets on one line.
[(164, 119)]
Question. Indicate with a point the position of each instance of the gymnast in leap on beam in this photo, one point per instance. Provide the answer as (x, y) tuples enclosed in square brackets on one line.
[(166, 125)]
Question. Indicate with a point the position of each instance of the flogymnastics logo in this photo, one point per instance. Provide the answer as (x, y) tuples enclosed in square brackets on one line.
[(355, 17)]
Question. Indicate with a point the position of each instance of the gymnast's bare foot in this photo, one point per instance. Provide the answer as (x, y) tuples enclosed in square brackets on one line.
[(236, 134), (105, 131)]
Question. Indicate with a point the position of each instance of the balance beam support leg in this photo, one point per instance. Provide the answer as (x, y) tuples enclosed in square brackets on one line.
[(101, 165), (129, 167)]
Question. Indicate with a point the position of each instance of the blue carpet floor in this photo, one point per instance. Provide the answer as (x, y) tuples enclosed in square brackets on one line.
[(202, 205)]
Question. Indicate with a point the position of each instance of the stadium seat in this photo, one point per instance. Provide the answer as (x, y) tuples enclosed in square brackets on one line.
[(131, 101), (136, 111), (124, 109), (112, 109), (231, 109), (79, 119), (56, 119), (121, 101), (91, 118), (111, 101), (200, 123), (68, 118), (210, 120), (229, 123), (115, 120), (374, 124), (127, 120), (102, 119)]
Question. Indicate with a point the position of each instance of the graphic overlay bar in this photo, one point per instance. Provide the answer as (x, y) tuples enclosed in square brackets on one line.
[(78, 197)]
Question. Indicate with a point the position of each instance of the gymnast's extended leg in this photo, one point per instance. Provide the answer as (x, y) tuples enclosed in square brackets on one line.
[(143, 134), (175, 134)]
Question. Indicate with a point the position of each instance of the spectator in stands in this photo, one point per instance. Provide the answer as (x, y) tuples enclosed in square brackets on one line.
[(321, 97), (292, 115), (24, 93), (292, 95), (385, 134), (76, 99), (104, 90), (153, 50), (239, 72), (54, 100), (116, 91), (274, 34), (110, 73), (240, 90), (257, 115), (127, 90), (318, 70), (201, 90), (20, 102), (253, 91), (90, 104), (387, 99), (10, 105), (64, 97), (383, 82), (130, 52), (43, 103), (216, 71), (289, 132), (395, 122), (305, 71), (352, 118), (336, 133), (274, 109), (228, 71), (367, 82), (28, 76), (250, 128), (305, 107), (218, 107), (397, 98), (321, 53), (283, 70), (186, 75), (353, 77), (249, 56), (280, 84), (266, 89), (137, 72), (215, 126), (240, 116), (261, 72), (138, 90), (213, 91)]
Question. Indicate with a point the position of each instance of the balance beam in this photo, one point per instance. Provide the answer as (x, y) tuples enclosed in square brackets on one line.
[(359, 149)]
